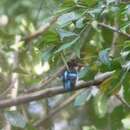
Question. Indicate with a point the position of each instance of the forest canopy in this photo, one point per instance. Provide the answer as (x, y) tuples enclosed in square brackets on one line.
[(64, 65)]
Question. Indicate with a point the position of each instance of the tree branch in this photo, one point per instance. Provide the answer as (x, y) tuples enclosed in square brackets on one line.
[(41, 30), (122, 101), (49, 92), (44, 82), (114, 29)]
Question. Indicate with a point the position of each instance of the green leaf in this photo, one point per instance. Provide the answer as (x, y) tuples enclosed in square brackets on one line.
[(126, 88), (67, 3), (116, 116), (67, 45), (63, 34), (114, 10), (116, 64), (97, 40), (15, 119), (100, 104), (125, 52), (86, 73), (79, 23), (82, 98), (95, 12), (125, 27), (65, 19), (47, 54), (76, 48), (115, 82), (89, 2), (30, 127), (105, 85), (51, 37)]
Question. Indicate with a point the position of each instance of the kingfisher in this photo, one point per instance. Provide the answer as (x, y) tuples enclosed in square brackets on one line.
[(69, 79), (70, 76)]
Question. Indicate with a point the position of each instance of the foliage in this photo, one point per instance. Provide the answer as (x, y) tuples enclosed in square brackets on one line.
[(78, 32)]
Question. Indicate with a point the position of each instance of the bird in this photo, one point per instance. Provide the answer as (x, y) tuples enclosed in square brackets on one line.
[(70, 76), (69, 79)]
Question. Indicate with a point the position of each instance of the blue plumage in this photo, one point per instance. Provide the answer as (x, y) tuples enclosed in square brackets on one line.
[(69, 79)]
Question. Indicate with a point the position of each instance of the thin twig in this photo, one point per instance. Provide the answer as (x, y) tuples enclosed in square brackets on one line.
[(64, 61), (114, 29), (41, 30), (122, 100), (114, 40)]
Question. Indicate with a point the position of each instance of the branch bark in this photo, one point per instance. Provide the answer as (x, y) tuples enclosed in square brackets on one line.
[(114, 29), (41, 30), (49, 92), (122, 101)]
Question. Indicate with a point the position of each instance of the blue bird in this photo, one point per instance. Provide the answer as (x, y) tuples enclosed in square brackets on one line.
[(69, 79), (70, 74)]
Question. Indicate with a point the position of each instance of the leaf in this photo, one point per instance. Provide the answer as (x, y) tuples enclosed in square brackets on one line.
[(65, 19), (76, 48), (105, 85), (84, 38), (113, 84), (104, 57), (15, 119), (47, 54), (51, 37), (87, 73), (125, 52), (67, 3), (84, 71), (125, 27), (82, 98), (126, 88), (97, 40), (89, 2), (100, 104), (67, 45), (116, 64), (79, 23), (95, 12), (116, 116), (63, 33), (114, 10), (126, 65), (30, 127)]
